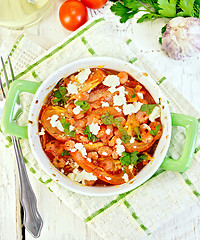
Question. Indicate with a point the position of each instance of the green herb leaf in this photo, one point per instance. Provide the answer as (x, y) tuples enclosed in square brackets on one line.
[(148, 108), (137, 131), (132, 158), (83, 104), (90, 135), (108, 119), (66, 126), (187, 7), (124, 11), (154, 132), (132, 4), (163, 29), (60, 95), (148, 17), (168, 8), (65, 153)]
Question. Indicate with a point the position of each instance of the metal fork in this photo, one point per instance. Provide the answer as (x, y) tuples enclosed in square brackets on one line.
[(32, 219)]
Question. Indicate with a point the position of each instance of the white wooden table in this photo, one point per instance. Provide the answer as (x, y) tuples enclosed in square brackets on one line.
[(59, 222)]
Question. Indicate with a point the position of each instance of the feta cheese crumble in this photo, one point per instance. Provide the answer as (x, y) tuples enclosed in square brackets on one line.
[(77, 110), (118, 109), (42, 132), (108, 131), (119, 147), (140, 95), (81, 148), (72, 88), (132, 140), (155, 114), (83, 75), (81, 176), (125, 177), (94, 128), (131, 108), (119, 100), (105, 104), (111, 81), (104, 153), (55, 122)]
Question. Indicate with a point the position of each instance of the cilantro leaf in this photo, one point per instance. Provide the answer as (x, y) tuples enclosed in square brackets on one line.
[(137, 131), (90, 135), (168, 8), (83, 104), (60, 95), (187, 8), (66, 126), (148, 108), (154, 132), (65, 153)]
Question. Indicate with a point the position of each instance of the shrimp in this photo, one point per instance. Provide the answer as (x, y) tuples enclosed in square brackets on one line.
[(93, 118), (69, 145), (105, 151), (112, 142), (58, 162), (79, 116), (83, 96), (69, 108), (80, 124), (146, 137), (115, 155), (142, 117), (93, 155), (123, 77)]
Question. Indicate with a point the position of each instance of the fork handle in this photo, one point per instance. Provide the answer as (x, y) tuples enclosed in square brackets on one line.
[(32, 219)]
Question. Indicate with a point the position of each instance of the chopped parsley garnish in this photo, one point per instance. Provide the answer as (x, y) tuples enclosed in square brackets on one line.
[(134, 95), (154, 9), (90, 135), (108, 119), (83, 104), (154, 132), (65, 153), (60, 95), (132, 158), (66, 126), (148, 108), (137, 131)]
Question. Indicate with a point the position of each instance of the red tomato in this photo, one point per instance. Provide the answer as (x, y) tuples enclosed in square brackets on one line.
[(94, 4), (73, 14)]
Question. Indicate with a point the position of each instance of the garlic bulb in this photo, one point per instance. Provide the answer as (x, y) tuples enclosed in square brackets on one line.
[(182, 37)]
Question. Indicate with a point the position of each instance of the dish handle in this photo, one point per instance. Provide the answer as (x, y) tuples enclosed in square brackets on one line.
[(191, 126), (8, 125)]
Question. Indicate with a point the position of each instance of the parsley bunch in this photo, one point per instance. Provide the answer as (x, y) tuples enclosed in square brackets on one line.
[(126, 9)]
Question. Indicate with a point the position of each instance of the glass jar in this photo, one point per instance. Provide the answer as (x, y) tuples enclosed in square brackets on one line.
[(18, 14)]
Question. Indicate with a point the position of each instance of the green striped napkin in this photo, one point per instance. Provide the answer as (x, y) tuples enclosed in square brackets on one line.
[(137, 213)]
